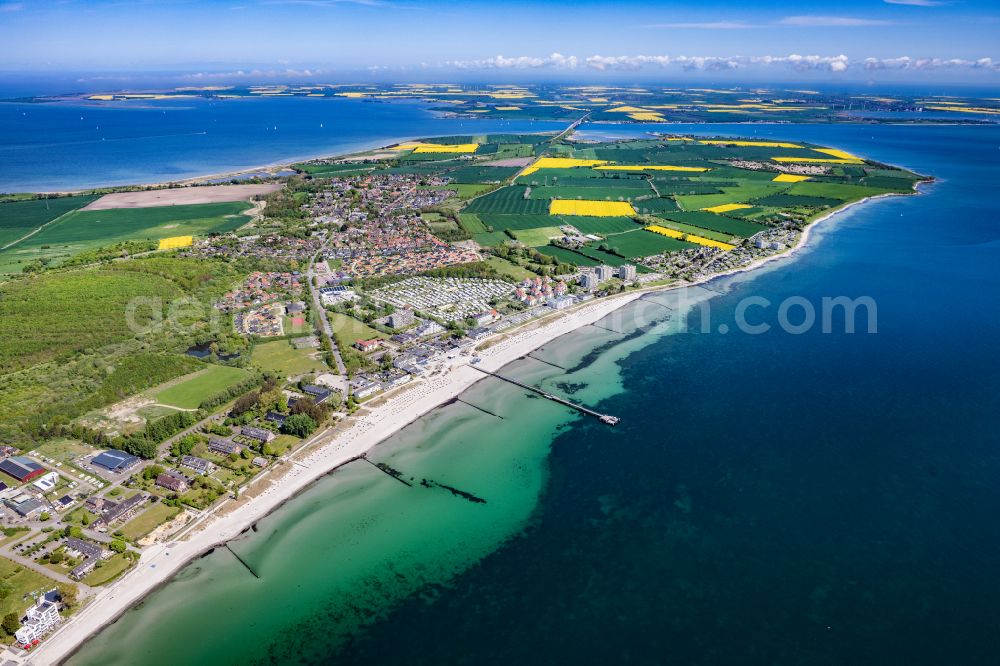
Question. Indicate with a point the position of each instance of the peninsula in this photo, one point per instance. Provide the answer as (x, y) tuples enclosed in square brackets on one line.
[(209, 350)]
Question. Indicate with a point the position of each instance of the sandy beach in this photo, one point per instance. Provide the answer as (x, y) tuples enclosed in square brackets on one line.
[(335, 447)]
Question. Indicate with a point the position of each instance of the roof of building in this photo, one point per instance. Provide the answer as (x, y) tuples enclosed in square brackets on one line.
[(196, 462), (256, 433), (115, 460), (20, 467), (85, 548)]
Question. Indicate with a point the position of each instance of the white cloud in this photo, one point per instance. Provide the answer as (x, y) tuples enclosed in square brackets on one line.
[(924, 64), (630, 63), (554, 61), (829, 21)]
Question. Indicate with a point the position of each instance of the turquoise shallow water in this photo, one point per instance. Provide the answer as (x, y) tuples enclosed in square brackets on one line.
[(767, 499)]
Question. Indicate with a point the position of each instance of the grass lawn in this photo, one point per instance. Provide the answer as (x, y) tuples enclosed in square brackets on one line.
[(145, 522), (22, 581), (88, 229), (279, 356), (349, 330), (189, 393), (111, 568), (537, 237), (282, 443), (509, 269)]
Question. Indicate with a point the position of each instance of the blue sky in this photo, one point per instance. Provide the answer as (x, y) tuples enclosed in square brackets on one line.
[(900, 40)]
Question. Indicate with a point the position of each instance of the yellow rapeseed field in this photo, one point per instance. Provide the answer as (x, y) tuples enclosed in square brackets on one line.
[(447, 148), (725, 208), (419, 147), (508, 108), (759, 144), (626, 109), (591, 208), (816, 160), (648, 167), (839, 154), (175, 242), (698, 240), (560, 163), (789, 178), (646, 117)]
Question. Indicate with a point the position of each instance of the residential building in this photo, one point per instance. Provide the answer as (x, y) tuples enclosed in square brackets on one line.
[(21, 468), (172, 481), (80, 548), (368, 345), (116, 461), (258, 434), (560, 302), (259, 461), (484, 318), (589, 281), (39, 620), (362, 388), (199, 465), (627, 272), (275, 418), (317, 393), (224, 446), (83, 568), (401, 318), (604, 273), (122, 511)]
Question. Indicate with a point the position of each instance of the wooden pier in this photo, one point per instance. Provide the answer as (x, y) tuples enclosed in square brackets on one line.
[(604, 418)]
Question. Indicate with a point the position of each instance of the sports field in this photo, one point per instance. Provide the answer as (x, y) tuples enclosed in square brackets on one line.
[(190, 391)]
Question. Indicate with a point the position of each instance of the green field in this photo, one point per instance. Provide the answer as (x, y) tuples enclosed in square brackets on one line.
[(279, 356), (190, 391), (148, 520), (110, 570), (509, 269), (18, 218), (507, 201), (643, 243), (54, 315), (82, 230), (715, 222), (537, 236), (568, 256), (22, 581), (349, 330)]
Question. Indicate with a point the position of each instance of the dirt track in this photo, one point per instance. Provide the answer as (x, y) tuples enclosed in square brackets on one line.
[(181, 195)]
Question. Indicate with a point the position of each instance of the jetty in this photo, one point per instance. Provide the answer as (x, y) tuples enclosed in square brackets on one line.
[(604, 418)]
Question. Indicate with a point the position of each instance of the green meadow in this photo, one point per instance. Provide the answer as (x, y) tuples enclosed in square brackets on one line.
[(189, 393), (81, 230)]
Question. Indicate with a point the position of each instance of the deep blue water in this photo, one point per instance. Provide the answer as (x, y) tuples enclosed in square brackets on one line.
[(777, 499), (65, 146)]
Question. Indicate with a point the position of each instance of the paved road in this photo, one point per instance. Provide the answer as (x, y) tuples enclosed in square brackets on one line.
[(324, 320)]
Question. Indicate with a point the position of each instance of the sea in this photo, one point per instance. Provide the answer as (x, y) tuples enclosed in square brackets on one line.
[(783, 488)]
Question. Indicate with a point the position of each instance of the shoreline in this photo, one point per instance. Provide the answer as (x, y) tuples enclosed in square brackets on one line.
[(333, 448)]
